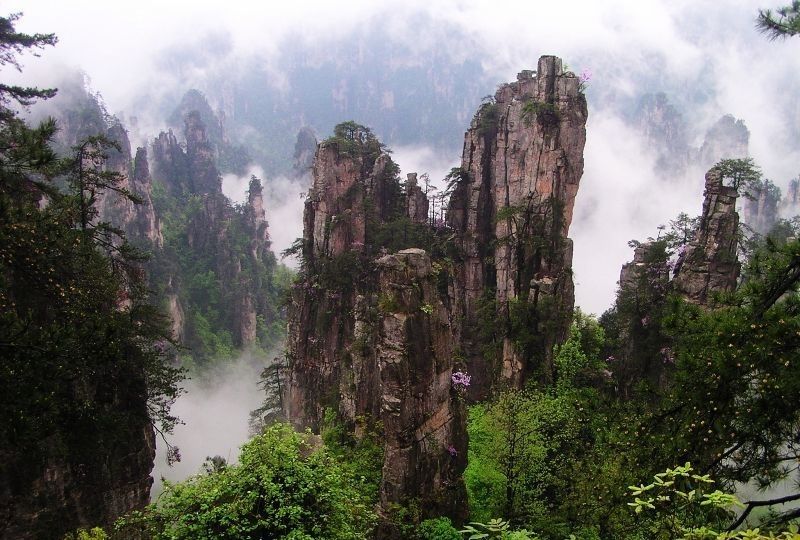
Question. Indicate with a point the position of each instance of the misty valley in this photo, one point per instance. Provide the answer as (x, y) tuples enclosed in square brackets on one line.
[(430, 272)]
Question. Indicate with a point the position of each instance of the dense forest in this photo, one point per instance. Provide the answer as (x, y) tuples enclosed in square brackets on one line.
[(435, 379)]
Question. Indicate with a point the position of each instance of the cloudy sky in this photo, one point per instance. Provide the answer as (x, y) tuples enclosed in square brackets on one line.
[(685, 48)]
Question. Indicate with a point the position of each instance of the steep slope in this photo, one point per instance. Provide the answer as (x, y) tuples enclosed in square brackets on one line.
[(216, 269)]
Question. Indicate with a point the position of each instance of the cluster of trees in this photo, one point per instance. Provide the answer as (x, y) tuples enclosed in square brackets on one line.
[(86, 358), (566, 459)]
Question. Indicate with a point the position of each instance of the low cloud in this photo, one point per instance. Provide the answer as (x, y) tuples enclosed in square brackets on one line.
[(215, 411)]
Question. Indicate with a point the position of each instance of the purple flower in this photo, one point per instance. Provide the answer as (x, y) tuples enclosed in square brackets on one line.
[(667, 356), (460, 380), (610, 359), (452, 451)]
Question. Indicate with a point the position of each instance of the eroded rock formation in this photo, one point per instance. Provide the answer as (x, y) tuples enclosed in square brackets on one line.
[(728, 138), (378, 326), (709, 263), (369, 332), (511, 209), (761, 207), (643, 354), (664, 131), (305, 147), (44, 496), (230, 245)]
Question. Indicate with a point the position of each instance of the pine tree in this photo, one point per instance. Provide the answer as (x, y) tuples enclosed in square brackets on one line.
[(783, 23)]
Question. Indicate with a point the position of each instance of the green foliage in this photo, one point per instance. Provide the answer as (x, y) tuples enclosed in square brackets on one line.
[(783, 23), (495, 528), (95, 533), (286, 485), (12, 44), (86, 359), (437, 529), (546, 114), (356, 140), (679, 504), (488, 119), (679, 501), (101, 331), (523, 448), (361, 456), (741, 174)]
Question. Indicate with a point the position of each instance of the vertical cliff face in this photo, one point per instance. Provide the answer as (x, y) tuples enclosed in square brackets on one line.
[(512, 208), (728, 138), (790, 204), (416, 201), (347, 186), (305, 147), (761, 207), (709, 263), (201, 156), (62, 488), (223, 277), (137, 221), (369, 332), (664, 130), (170, 163), (644, 284), (423, 422)]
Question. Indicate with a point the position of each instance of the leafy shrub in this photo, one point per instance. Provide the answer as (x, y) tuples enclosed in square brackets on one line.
[(287, 485), (437, 529)]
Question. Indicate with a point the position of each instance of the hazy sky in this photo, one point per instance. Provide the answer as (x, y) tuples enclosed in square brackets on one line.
[(687, 48)]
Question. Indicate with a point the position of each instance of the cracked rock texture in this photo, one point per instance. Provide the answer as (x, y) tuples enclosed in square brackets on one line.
[(709, 263), (369, 334), (512, 208)]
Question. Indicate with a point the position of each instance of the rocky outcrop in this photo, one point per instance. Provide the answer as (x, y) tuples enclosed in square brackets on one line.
[(321, 329), (137, 220), (305, 147), (664, 131), (790, 204), (709, 263), (423, 421), (71, 482), (201, 157), (170, 164), (728, 138), (369, 333), (376, 333), (416, 200), (643, 355), (761, 207), (228, 156), (511, 210)]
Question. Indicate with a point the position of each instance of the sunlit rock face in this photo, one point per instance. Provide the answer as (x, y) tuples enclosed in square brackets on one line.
[(522, 164)]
